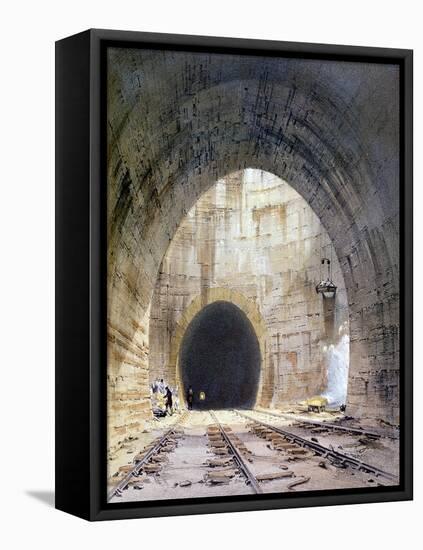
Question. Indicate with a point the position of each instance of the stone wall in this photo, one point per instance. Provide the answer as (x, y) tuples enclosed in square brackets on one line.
[(252, 240), (180, 121)]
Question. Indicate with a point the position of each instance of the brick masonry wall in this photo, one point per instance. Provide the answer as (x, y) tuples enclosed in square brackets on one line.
[(253, 234), (180, 121)]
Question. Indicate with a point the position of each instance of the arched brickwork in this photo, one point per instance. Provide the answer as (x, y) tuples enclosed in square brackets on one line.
[(178, 121), (208, 297)]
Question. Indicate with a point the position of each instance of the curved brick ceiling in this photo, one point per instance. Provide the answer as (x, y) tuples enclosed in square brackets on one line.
[(178, 121)]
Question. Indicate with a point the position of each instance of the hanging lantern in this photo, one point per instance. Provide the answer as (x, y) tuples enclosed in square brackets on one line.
[(326, 287)]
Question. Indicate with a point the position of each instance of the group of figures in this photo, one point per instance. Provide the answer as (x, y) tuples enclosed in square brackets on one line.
[(165, 399)]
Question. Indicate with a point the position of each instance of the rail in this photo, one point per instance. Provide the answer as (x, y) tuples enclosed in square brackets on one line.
[(323, 451), (238, 457)]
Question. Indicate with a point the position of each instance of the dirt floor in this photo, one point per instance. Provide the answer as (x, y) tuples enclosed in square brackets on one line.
[(186, 471)]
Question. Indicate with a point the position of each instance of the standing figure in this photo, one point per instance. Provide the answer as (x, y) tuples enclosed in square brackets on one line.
[(190, 397), (169, 403), (161, 387), (176, 398)]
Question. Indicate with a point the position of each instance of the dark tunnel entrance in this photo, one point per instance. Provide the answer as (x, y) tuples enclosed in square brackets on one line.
[(220, 356)]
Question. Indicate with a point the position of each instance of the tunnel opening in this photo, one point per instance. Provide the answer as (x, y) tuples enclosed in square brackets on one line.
[(253, 241), (220, 358)]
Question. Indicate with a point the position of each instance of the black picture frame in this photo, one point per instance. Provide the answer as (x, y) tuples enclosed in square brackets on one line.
[(81, 274)]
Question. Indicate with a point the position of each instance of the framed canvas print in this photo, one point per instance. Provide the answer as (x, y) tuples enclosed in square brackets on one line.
[(234, 274)]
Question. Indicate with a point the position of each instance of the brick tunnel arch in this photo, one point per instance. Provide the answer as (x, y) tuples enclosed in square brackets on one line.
[(220, 358), (330, 131), (210, 296)]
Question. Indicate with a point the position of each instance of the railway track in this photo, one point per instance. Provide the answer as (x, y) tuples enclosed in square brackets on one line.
[(237, 456), (140, 464), (233, 461), (329, 426), (330, 454)]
